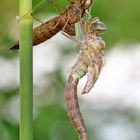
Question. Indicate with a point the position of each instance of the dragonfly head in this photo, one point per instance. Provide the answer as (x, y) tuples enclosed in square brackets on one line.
[(96, 26)]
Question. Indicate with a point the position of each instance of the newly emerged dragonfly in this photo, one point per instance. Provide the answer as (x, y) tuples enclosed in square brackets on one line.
[(65, 21), (90, 62)]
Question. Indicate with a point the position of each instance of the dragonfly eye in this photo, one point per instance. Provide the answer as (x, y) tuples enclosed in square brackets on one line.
[(97, 25)]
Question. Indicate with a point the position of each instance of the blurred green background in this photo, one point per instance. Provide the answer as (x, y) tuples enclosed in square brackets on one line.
[(107, 118)]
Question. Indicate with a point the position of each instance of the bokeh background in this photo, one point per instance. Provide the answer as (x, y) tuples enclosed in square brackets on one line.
[(111, 110)]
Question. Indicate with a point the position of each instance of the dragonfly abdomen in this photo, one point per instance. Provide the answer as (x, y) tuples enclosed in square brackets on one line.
[(73, 106)]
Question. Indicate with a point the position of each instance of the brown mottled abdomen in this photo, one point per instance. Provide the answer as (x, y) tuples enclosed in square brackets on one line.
[(73, 106)]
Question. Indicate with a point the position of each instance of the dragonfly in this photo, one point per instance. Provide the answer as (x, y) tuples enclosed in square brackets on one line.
[(65, 21), (90, 62)]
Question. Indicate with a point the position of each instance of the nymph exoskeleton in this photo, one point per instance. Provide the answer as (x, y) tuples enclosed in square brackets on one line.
[(90, 62)]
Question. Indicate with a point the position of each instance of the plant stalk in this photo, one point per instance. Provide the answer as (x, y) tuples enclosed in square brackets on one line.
[(26, 72)]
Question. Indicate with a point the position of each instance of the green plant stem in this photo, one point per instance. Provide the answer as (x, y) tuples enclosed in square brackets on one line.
[(26, 78)]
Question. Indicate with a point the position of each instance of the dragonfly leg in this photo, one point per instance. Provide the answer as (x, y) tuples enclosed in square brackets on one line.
[(71, 37)]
